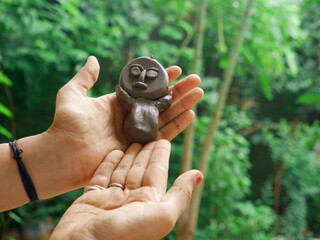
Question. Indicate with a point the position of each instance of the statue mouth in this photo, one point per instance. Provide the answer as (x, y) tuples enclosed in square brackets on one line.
[(140, 85)]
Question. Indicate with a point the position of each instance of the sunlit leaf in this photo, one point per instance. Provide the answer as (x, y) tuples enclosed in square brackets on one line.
[(5, 111), (265, 83), (309, 98), (4, 79), (312, 141), (15, 217), (291, 60), (5, 132)]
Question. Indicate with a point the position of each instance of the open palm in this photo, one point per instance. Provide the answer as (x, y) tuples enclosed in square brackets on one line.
[(143, 210), (87, 129)]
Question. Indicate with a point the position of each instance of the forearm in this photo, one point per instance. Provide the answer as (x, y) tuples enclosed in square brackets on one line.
[(41, 156)]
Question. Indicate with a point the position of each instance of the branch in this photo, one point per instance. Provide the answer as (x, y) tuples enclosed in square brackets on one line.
[(185, 43)]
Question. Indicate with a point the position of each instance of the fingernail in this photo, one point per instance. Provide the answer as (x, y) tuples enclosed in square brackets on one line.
[(199, 180)]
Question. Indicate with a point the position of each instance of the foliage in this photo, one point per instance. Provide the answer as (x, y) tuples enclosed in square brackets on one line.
[(227, 179), (292, 150), (5, 111), (228, 183), (44, 43), (247, 222)]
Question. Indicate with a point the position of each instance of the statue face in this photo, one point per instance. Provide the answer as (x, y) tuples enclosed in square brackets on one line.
[(144, 77)]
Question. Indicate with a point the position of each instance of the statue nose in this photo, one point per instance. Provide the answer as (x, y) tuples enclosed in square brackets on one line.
[(142, 76)]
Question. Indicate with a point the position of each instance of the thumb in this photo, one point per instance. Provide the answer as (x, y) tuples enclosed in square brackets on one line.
[(179, 195), (87, 76)]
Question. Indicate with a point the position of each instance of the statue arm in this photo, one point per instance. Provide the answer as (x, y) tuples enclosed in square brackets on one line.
[(164, 102), (124, 98)]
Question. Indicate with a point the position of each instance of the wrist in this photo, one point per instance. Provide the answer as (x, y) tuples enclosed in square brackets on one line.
[(11, 182), (44, 157)]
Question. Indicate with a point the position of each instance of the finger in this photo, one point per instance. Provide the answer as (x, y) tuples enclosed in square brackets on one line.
[(173, 72), (103, 173), (183, 86), (120, 173), (172, 129), (156, 174), (182, 105), (87, 76), (137, 171), (179, 195)]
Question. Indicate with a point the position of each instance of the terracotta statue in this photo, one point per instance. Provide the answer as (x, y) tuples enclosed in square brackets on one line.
[(143, 91)]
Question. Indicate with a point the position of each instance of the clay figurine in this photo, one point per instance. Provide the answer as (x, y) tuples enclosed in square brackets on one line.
[(143, 91)]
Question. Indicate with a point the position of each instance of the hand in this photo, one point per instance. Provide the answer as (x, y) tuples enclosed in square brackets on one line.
[(86, 129), (143, 210)]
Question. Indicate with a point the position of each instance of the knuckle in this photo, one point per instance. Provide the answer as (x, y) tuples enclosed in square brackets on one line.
[(100, 180)]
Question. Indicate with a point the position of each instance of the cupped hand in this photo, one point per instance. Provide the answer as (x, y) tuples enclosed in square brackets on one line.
[(143, 210), (86, 129)]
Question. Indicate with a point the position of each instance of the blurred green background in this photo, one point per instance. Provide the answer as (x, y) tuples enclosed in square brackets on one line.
[(262, 180)]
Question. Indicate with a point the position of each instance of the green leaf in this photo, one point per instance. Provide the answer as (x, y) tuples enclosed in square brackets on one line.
[(5, 111), (170, 32), (180, 5), (15, 217), (5, 132), (10, 238), (4, 79), (291, 59), (309, 98), (265, 83), (312, 141)]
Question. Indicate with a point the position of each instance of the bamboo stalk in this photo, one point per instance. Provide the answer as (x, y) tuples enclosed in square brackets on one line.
[(216, 116), (189, 134), (186, 161), (222, 43)]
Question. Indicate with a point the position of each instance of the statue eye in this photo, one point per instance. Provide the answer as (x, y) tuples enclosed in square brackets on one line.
[(152, 74), (135, 72)]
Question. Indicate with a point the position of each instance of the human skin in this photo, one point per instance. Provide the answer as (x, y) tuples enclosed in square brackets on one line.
[(83, 132), (144, 210)]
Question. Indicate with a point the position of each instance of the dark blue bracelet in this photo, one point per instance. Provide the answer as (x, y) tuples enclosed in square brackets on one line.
[(26, 180)]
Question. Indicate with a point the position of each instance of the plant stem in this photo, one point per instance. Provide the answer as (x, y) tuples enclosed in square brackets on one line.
[(222, 43), (215, 118), (185, 43), (186, 162)]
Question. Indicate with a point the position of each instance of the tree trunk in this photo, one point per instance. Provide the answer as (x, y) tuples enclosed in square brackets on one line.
[(206, 149), (186, 161)]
